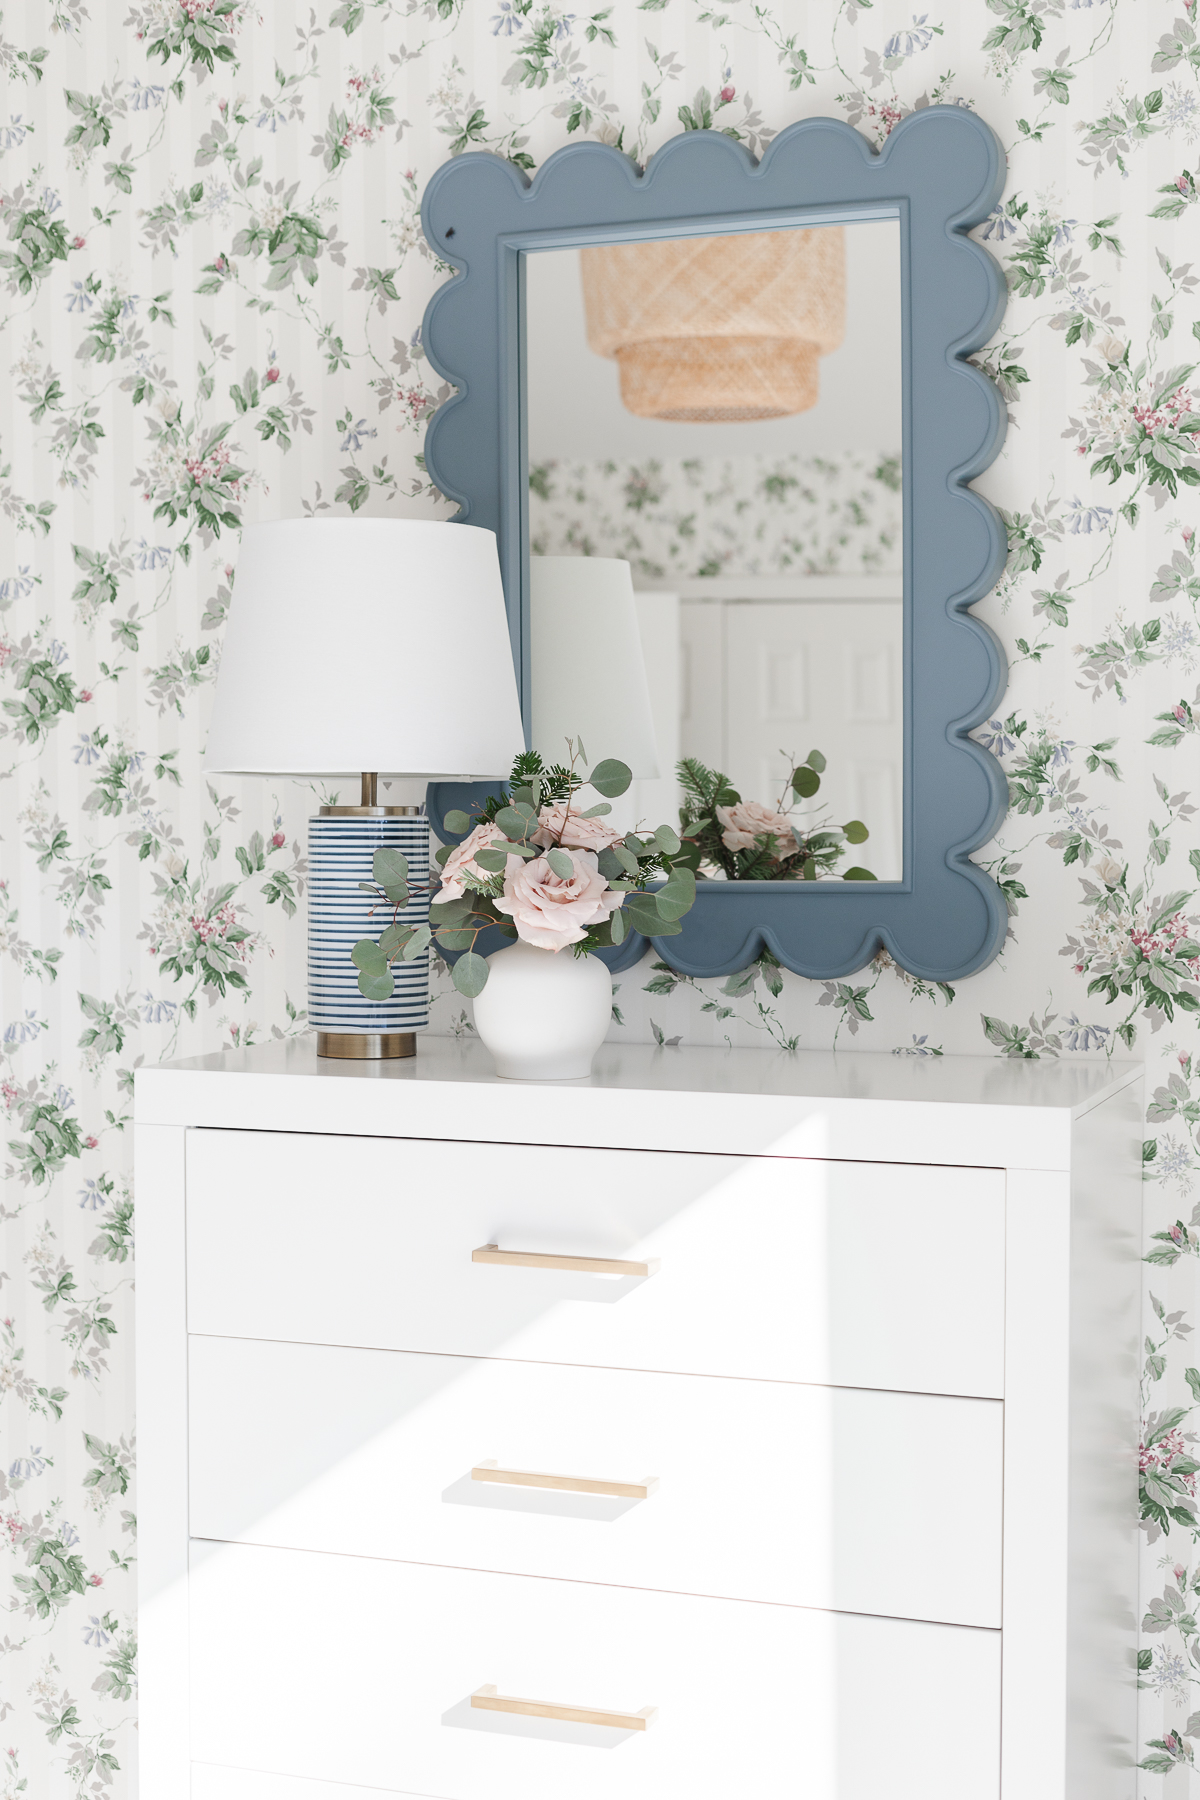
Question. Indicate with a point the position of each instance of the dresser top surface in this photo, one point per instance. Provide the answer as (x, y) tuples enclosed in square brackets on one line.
[(1071, 1087)]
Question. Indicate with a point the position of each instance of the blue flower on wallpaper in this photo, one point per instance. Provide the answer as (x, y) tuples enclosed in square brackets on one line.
[(907, 43)]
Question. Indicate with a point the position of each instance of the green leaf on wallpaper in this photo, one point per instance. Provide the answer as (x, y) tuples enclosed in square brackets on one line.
[(1192, 1377)]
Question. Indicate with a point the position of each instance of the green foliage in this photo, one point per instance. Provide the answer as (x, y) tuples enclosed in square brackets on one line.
[(204, 40), (52, 1136), (37, 241), (55, 1574), (801, 852)]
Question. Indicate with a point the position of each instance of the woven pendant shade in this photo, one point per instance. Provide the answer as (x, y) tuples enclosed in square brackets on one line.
[(715, 329)]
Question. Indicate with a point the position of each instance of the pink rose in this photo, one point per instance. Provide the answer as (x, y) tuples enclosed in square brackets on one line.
[(578, 834), (550, 911), (461, 862), (748, 822)]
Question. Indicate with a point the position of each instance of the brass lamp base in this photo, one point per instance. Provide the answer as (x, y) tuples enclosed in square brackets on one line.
[(366, 1046)]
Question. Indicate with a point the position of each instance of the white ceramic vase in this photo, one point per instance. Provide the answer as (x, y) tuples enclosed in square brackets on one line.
[(544, 1013)]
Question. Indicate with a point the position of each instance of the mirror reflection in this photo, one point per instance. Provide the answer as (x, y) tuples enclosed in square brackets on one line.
[(725, 414)]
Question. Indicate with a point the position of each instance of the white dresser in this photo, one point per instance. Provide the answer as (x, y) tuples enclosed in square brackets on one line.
[(728, 1426)]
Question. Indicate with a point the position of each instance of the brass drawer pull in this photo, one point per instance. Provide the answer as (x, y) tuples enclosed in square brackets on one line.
[(489, 1700), (578, 1265), (567, 1484)]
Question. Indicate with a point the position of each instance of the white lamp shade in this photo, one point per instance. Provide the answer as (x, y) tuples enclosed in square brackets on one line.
[(366, 644), (589, 673)]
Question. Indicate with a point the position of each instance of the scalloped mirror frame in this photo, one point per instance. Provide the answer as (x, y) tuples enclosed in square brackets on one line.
[(940, 172)]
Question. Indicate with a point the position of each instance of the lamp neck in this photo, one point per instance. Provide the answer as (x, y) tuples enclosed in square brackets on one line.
[(369, 804)]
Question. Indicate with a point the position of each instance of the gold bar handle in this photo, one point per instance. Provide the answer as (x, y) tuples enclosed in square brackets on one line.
[(565, 1484), (488, 1700), (578, 1265)]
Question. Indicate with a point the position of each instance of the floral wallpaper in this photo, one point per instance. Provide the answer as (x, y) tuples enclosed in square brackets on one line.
[(212, 285), (753, 515)]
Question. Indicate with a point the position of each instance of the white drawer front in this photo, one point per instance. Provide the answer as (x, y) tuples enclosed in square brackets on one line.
[(344, 1670), (211, 1781), (863, 1274), (812, 1496)]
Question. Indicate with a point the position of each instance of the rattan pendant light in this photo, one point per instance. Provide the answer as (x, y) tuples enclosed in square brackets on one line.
[(710, 330)]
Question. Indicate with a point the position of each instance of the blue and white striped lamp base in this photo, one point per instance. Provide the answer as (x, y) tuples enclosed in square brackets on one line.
[(342, 842)]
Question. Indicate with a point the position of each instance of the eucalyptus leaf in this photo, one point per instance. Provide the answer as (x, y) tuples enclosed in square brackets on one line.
[(456, 937), (443, 853), (457, 822), (493, 859), (525, 850), (641, 914), (610, 778), (678, 896), (367, 955), (667, 840), (561, 864), (451, 912), (596, 812), (856, 832), (389, 865), (626, 858), (579, 747), (816, 761), (608, 863), (513, 823), (417, 943), (616, 925), (397, 893), (368, 887), (395, 938), (805, 781), (470, 974), (857, 874), (376, 987)]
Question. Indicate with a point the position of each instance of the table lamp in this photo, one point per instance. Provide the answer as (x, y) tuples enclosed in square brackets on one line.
[(588, 670), (354, 647)]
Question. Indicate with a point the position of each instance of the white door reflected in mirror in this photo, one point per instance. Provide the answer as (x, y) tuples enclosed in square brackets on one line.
[(726, 415)]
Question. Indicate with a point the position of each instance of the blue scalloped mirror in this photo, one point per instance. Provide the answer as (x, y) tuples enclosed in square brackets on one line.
[(717, 352)]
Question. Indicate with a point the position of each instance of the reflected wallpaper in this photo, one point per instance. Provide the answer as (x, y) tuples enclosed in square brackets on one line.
[(212, 280)]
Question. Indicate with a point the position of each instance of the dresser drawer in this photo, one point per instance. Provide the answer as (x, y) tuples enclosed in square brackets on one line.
[(765, 1490), (863, 1274), (344, 1670)]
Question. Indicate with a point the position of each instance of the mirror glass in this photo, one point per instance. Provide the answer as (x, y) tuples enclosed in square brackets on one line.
[(725, 414)]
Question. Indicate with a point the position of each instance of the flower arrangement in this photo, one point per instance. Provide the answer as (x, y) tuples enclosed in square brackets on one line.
[(744, 840), (540, 868)]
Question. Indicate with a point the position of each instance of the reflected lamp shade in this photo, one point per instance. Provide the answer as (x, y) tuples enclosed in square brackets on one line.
[(336, 662), (588, 669), (718, 329)]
